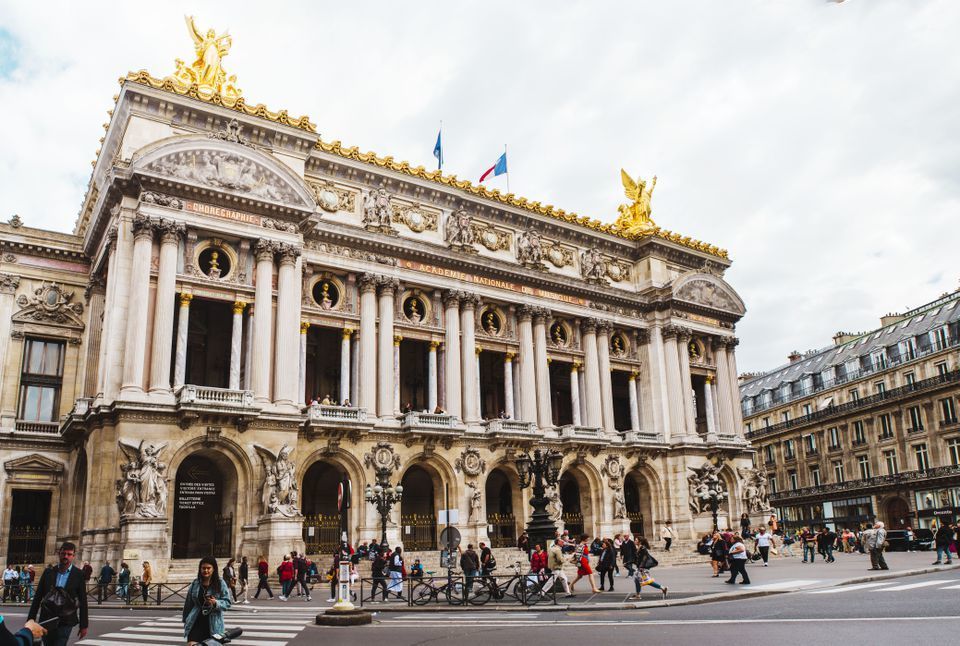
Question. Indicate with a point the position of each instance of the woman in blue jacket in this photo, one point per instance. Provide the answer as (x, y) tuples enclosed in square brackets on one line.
[(206, 600)]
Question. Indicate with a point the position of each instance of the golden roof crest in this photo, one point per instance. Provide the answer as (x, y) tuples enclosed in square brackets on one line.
[(207, 72), (635, 218)]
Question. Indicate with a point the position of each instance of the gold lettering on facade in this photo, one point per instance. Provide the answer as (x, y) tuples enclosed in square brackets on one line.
[(220, 212)]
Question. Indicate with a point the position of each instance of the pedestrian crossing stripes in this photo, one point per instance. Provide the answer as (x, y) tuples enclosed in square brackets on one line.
[(275, 628)]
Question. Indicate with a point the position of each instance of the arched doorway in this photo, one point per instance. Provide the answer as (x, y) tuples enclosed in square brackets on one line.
[(204, 506), (897, 513), (570, 499), (418, 518), (636, 495), (501, 521), (322, 522)]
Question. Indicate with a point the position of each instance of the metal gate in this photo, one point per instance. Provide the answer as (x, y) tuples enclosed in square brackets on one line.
[(418, 532), (223, 536), (321, 533), (27, 545), (636, 523), (573, 522), (503, 530)]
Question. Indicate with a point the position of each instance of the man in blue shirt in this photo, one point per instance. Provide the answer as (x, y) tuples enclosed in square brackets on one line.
[(106, 575), (74, 608)]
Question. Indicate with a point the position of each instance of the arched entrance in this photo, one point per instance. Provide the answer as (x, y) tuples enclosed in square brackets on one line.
[(501, 521), (322, 522), (204, 506), (570, 499), (418, 518), (897, 513), (637, 497)]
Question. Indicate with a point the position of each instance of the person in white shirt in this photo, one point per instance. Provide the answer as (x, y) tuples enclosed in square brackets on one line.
[(763, 545), (667, 534), (738, 561), (9, 576)]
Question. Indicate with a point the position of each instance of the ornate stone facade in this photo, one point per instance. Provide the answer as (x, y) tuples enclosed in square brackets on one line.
[(275, 344)]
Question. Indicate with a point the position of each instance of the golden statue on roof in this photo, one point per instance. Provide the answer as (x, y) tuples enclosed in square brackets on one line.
[(207, 72), (635, 218)]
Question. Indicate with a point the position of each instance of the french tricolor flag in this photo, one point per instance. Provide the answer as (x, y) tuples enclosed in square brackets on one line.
[(500, 168)]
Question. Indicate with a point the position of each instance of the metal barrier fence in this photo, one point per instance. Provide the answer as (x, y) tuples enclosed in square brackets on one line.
[(456, 589), (131, 594)]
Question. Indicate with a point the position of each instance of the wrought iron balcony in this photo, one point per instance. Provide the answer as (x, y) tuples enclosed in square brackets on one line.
[(868, 484), (831, 412)]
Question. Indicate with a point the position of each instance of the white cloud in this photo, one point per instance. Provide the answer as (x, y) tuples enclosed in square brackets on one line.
[(815, 141)]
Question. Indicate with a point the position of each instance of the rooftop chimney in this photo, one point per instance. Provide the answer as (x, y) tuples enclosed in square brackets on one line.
[(794, 356), (889, 319), (842, 337)]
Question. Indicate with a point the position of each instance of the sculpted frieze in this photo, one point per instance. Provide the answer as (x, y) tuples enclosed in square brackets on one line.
[(50, 302), (707, 293)]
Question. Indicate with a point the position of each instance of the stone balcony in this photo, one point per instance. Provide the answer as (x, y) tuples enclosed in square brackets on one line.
[(510, 429), (431, 424), (323, 419), (582, 435), (643, 438), (194, 402), (41, 428)]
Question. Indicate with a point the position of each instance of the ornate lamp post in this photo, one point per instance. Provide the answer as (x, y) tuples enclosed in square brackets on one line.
[(711, 499), (542, 471), (383, 496)]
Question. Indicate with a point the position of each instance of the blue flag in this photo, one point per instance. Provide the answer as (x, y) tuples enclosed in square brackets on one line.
[(438, 151), (501, 167)]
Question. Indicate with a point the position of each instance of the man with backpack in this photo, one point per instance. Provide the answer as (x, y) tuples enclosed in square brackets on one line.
[(61, 593)]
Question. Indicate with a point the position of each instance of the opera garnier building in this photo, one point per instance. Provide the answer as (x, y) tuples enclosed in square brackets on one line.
[(247, 316)]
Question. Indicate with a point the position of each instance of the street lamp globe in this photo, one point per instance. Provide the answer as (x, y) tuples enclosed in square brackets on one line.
[(523, 466)]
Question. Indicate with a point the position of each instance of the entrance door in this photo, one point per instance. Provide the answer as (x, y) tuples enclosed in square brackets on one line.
[(898, 513), (203, 510), (418, 518), (570, 497), (29, 518), (322, 521)]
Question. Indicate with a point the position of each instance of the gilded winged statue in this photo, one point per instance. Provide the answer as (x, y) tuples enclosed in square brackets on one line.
[(635, 217), (207, 70)]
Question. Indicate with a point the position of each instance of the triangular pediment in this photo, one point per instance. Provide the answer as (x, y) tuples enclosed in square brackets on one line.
[(226, 166), (707, 290), (33, 463)]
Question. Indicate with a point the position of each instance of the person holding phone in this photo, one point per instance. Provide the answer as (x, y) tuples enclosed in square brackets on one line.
[(206, 600), (23, 637), (61, 599)]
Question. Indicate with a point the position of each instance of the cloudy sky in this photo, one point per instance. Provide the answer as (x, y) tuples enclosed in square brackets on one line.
[(815, 141)]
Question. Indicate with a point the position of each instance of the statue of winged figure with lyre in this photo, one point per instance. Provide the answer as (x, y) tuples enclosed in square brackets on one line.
[(635, 217)]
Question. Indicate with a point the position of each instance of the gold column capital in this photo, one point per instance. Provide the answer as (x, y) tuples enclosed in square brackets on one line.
[(508, 357), (304, 326), (238, 307), (397, 339), (185, 298), (434, 345), (709, 379), (634, 374), (575, 366), (478, 350), (347, 332)]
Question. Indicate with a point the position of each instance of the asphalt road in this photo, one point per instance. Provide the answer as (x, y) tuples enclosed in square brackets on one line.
[(905, 609)]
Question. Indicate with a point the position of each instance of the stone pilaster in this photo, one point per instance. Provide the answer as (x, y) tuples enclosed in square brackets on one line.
[(286, 351), (606, 381), (468, 358), (386, 403), (302, 387), (171, 232), (591, 369), (724, 405), (432, 400), (575, 393), (634, 403), (345, 365), (135, 346), (236, 344), (508, 385)]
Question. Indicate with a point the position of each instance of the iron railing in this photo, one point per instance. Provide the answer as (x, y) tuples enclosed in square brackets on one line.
[(875, 482)]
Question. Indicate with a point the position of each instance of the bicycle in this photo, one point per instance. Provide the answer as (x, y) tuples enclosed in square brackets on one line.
[(490, 589), (427, 590)]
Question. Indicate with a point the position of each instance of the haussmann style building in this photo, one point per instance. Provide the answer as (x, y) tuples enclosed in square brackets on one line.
[(246, 316), (866, 429)]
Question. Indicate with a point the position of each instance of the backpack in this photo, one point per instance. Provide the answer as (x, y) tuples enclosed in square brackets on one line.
[(57, 603)]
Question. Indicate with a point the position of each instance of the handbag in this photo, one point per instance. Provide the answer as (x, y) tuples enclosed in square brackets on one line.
[(57, 603), (648, 562)]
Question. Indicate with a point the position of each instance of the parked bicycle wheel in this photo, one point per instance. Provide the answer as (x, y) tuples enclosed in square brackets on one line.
[(453, 593), (478, 593), (422, 594)]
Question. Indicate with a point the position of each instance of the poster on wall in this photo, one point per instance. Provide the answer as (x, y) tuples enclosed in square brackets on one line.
[(193, 495)]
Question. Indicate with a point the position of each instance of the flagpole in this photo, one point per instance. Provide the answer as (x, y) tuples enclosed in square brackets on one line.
[(508, 166), (440, 161)]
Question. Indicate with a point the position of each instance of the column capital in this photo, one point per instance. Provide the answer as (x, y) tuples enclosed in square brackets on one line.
[(142, 227), (732, 342), (718, 343), (604, 326), (304, 326), (575, 366), (367, 282), (238, 307), (264, 250), (112, 234), (478, 350), (633, 375), (434, 345), (170, 231), (508, 357), (525, 312), (347, 333), (388, 285), (675, 331), (541, 314), (469, 301), (589, 325), (288, 253), (185, 298), (643, 336), (451, 298), (397, 339), (9, 283), (709, 379)]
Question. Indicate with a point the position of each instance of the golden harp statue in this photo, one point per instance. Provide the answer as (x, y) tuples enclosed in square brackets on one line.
[(635, 217), (207, 70)]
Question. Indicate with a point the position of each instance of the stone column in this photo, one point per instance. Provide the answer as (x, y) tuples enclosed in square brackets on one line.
[(451, 353), (654, 379), (263, 322), (528, 375), (575, 393), (288, 322), (386, 403), (591, 368), (367, 393), (508, 385), (689, 409), (724, 405), (734, 386), (708, 408), (634, 404), (134, 354), (302, 381), (170, 234), (476, 362), (236, 344), (354, 370), (583, 393), (345, 365), (105, 331), (542, 368), (397, 404), (432, 400), (468, 358), (606, 381), (183, 327), (677, 417), (248, 350)]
